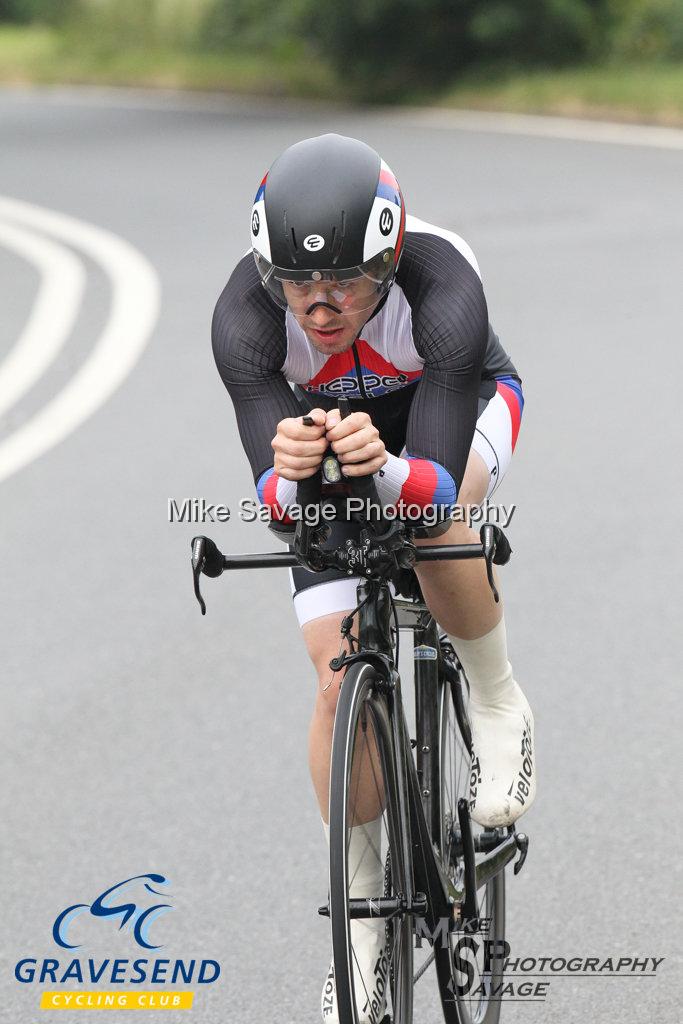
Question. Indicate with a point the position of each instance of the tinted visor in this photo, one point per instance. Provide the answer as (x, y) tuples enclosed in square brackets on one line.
[(347, 292)]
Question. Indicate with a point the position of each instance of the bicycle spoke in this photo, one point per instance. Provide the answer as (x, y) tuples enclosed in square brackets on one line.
[(425, 967), (359, 973)]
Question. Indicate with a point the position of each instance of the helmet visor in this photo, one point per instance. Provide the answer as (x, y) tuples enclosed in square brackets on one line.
[(346, 292)]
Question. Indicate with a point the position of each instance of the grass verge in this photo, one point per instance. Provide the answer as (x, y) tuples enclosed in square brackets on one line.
[(35, 54), (643, 93), (32, 54)]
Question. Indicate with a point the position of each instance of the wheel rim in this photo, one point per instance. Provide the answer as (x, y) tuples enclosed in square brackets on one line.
[(469, 994), (371, 795)]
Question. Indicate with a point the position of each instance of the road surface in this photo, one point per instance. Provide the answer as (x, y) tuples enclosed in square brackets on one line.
[(140, 737)]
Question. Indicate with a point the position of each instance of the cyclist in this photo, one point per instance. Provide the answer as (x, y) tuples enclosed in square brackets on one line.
[(343, 294)]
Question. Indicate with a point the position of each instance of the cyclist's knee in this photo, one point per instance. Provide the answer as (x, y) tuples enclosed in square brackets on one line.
[(328, 694), (322, 637), (475, 481), (472, 492)]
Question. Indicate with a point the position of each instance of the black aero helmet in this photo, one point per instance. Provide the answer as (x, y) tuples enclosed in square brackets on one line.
[(329, 210)]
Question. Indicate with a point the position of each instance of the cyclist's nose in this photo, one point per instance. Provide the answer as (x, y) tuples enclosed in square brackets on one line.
[(322, 315)]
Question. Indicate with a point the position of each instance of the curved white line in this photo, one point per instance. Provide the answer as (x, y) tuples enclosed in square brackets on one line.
[(53, 314), (134, 311)]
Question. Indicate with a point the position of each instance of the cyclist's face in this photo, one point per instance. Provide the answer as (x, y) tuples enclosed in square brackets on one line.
[(331, 315)]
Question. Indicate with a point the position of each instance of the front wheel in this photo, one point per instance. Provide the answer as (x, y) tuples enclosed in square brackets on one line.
[(469, 966), (373, 955)]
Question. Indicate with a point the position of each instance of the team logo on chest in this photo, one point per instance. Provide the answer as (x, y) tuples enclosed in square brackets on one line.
[(368, 375)]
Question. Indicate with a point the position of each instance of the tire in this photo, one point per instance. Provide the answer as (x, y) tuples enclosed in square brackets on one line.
[(466, 996), (362, 743)]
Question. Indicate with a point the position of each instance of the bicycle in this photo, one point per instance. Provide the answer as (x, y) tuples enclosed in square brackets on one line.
[(433, 859)]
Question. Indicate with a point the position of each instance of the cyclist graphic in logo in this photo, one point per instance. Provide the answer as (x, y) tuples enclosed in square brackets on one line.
[(140, 918)]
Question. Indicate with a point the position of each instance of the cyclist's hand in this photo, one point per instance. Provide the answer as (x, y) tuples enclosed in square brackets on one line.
[(299, 449), (356, 443)]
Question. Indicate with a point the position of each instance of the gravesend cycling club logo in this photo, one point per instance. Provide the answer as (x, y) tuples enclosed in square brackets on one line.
[(132, 907), (107, 906)]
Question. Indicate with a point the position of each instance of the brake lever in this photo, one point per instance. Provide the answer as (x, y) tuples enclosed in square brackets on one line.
[(207, 559), (522, 840), (501, 547), (488, 543), (497, 551), (198, 560)]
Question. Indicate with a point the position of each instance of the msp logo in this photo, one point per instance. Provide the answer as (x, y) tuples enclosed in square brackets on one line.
[(107, 905)]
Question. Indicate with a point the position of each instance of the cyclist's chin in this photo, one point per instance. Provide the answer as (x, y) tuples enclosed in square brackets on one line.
[(330, 340)]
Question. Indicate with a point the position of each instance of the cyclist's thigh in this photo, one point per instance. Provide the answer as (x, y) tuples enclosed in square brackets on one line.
[(495, 434), (493, 443), (321, 600)]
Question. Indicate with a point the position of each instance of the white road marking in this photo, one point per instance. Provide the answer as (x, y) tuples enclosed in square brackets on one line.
[(174, 101), (52, 316), (134, 310)]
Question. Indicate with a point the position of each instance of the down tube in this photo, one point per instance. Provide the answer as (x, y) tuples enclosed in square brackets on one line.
[(426, 661)]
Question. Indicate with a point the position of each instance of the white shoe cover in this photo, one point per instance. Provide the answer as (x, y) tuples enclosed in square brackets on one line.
[(371, 981), (502, 773)]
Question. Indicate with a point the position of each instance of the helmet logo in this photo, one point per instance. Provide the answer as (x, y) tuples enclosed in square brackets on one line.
[(255, 222), (313, 242), (386, 221)]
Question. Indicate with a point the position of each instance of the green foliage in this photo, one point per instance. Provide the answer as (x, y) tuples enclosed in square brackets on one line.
[(547, 32), (372, 50), (387, 49), (647, 29), (255, 24), (138, 24), (384, 50), (52, 12)]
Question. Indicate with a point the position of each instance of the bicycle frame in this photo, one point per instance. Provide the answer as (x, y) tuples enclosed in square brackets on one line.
[(430, 890), (420, 807)]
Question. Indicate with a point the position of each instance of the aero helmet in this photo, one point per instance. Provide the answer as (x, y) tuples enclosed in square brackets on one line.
[(328, 215)]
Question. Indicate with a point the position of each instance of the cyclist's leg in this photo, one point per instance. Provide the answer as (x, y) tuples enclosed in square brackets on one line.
[(322, 638), (320, 608), (457, 593), (459, 597)]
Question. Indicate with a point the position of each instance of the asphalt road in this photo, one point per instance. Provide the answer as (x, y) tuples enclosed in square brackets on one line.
[(138, 736)]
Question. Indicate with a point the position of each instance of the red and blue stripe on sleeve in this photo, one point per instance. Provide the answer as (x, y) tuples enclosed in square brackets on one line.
[(277, 493), (412, 481), (510, 391)]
